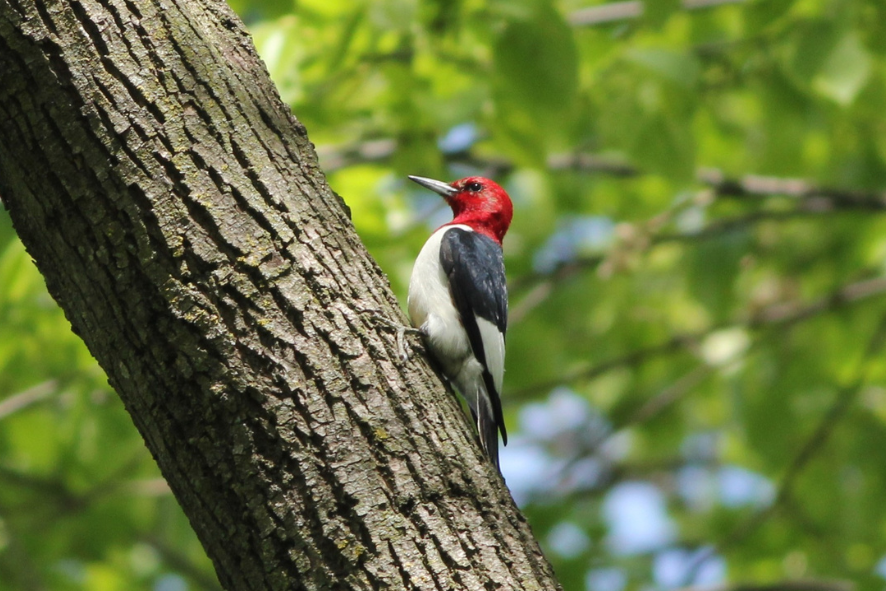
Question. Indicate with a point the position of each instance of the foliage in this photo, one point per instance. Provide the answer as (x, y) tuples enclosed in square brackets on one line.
[(82, 505), (695, 380)]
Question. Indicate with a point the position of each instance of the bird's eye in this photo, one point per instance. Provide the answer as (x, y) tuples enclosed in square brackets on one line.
[(473, 186)]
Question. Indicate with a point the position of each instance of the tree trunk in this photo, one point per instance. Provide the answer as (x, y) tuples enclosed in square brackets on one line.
[(177, 212)]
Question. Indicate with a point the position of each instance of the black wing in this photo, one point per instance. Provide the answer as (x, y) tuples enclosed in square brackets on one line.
[(475, 267)]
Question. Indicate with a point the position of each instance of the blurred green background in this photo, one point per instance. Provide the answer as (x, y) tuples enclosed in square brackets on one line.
[(696, 382)]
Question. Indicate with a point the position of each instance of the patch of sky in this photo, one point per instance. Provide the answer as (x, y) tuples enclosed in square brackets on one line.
[(170, 583), (703, 483), (636, 514), (73, 570), (585, 474), (605, 579), (697, 486), (739, 487), (539, 457), (435, 211), (564, 410), (575, 236), (458, 138), (568, 540), (528, 468), (700, 447), (676, 568), (562, 445)]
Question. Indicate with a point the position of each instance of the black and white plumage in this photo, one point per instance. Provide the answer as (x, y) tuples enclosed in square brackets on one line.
[(458, 299)]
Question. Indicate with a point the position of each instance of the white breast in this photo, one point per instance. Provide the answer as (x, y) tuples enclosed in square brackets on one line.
[(431, 309)]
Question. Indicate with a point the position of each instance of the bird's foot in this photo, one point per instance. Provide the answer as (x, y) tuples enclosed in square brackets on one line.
[(404, 349)]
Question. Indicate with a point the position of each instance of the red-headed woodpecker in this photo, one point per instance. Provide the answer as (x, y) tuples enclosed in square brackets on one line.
[(458, 298)]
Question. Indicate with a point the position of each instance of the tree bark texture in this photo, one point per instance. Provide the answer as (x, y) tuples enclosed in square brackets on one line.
[(176, 210)]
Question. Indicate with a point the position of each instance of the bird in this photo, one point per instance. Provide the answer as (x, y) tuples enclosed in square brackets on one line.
[(458, 298)]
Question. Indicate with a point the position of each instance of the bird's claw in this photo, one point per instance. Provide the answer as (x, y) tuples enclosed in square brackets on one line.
[(404, 349)]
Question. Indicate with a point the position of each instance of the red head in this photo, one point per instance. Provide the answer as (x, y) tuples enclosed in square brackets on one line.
[(476, 202)]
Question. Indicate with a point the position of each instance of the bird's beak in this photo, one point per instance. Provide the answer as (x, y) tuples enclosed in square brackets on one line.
[(444, 189)]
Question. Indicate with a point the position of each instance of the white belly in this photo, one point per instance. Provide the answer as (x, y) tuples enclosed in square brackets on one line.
[(431, 309)]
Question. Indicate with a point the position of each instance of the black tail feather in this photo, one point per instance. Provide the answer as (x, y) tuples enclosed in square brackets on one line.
[(488, 420), (488, 430)]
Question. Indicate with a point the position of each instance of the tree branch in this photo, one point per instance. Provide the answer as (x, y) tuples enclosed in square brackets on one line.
[(776, 315), (632, 9), (794, 585), (26, 398), (651, 408), (816, 198), (812, 201), (815, 442)]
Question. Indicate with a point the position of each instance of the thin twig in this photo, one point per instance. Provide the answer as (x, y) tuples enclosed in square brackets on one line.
[(636, 357), (816, 441), (751, 185), (651, 408), (620, 11), (148, 487), (796, 585), (646, 238), (776, 315), (810, 207), (64, 499), (816, 197), (25, 398), (725, 226), (670, 395)]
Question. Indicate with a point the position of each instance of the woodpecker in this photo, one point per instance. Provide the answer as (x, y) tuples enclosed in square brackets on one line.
[(458, 298)]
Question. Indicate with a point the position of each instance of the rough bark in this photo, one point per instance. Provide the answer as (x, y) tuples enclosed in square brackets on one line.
[(177, 212)]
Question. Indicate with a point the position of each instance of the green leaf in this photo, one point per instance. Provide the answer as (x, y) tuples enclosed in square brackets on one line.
[(830, 60), (665, 146), (536, 63), (656, 12), (810, 49), (761, 15), (711, 271), (677, 67), (845, 71)]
